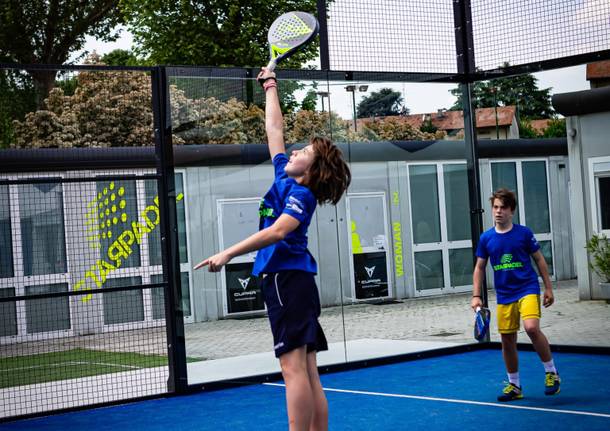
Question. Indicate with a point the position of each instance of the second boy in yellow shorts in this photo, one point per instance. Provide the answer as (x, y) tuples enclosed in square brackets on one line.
[(508, 247)]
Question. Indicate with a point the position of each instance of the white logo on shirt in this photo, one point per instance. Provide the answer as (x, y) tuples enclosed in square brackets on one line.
[(295, 205)]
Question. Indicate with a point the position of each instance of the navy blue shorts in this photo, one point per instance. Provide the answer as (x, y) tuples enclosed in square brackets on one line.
[(293, 307)]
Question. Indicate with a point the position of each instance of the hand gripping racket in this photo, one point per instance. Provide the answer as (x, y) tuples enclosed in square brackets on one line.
[(481, 323), (288, 33)]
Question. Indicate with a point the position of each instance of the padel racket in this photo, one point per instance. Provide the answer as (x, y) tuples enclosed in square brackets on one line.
[(481, 323), (288, 33)]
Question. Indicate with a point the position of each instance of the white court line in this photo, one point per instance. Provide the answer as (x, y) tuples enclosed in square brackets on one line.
[(449, 400)]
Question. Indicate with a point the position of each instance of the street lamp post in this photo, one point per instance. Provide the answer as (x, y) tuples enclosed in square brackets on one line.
[(494, 89), (322, 95), (352, 89)]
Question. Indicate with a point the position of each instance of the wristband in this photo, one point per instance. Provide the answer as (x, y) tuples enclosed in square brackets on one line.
[(263, 81), (476, 296)]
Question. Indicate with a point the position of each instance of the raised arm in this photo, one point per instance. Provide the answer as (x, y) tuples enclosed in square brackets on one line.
[(274, 122)]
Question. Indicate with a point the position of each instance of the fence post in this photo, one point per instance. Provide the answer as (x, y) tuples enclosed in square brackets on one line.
[(176, 349), (466, 68)]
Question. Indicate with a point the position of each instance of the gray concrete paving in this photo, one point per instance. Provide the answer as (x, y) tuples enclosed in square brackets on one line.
[(439, 319)]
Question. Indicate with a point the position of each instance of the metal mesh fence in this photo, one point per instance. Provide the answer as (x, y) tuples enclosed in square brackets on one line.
[(523, 31), (61, 346), (420, 36), (391, 36), (82, 302)]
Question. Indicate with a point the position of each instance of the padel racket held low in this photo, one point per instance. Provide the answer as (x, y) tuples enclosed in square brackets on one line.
[(481, 323), (289, 33)]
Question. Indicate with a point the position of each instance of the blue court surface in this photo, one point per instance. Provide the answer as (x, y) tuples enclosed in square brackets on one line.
[(452, 392)]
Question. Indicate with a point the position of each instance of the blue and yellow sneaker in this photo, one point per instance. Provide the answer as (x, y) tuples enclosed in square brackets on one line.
[(511, 392), (551, 383)]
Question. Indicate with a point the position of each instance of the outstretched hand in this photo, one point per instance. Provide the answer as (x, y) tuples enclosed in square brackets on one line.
[(214, 263)]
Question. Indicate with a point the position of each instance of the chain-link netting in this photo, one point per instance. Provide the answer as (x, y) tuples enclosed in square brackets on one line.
[(528, 31), (82, 302), (420, 36), (391, 36)]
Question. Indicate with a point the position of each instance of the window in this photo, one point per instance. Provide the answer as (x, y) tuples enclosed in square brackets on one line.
[(6, 242), (504, 175), (47, 314), (529, 180), (117, 208), (599, 184), (442, 246), (42, 228), (154, 238), (424, 204), (8, 313), (158, 296), (124, 306)]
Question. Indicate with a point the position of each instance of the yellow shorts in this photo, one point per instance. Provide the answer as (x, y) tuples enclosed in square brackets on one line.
[(509, 315)]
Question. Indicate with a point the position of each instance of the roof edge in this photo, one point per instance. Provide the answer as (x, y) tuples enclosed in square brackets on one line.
[(582, 102)]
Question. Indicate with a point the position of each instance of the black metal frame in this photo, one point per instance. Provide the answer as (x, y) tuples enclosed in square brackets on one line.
[(164, 161)]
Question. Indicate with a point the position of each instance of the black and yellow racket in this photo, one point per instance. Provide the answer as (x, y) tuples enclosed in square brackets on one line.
[(288, 33)]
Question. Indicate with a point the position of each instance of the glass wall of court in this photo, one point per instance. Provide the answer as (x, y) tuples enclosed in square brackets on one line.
[(98, 306)]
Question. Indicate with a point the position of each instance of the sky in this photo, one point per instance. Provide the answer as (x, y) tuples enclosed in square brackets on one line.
[(419, 98)]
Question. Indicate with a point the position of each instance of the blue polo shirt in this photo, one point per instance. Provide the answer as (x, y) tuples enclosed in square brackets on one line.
[(286, 196), (509, 256)]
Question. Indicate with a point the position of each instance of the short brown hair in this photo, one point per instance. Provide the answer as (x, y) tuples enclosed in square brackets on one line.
[(507, 197), (329, 175)]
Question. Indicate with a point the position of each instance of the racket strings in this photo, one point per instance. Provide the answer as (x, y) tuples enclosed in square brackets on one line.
[(291, 29)]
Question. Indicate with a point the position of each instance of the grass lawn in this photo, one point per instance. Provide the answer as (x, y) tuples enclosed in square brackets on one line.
[(71, 364)]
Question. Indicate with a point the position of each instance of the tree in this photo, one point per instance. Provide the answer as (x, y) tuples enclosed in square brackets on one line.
[(382, 103), (555, 129), (214, 32), (521, 91), (16, 100), (310, 100), (114, 108), (48, 31), (121, 57)]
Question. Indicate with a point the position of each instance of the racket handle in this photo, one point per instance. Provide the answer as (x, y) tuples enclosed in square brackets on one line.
[(477, 309), (271, 65)]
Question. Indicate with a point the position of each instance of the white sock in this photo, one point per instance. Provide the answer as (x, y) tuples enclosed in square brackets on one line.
[(514, 379), (549, 367)]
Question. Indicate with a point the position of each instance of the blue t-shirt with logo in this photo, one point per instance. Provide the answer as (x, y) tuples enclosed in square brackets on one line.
[(509, 256), (286, 196)]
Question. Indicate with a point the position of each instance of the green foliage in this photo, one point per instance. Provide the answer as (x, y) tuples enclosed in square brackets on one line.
[(555, 129), (17, 98), (521, 91), (428, 127), (212, 33), (599, 252), (393, 129), (382, 103), (526, 131), (114, 109), (122, 57), (43, 32), (67, 84), (309, 102)]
